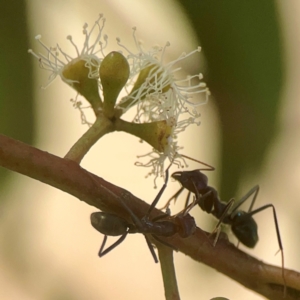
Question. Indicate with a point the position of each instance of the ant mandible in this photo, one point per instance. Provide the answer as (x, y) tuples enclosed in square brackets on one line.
[(113, 225)]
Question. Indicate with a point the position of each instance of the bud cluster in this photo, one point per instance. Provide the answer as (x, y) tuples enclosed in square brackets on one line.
[(116, 82)]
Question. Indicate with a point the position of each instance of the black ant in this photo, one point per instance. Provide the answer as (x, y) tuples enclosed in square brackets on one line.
[(113, 225), (242, 223)]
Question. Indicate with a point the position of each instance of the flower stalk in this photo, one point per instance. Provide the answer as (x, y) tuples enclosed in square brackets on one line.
[(101, 127), (156, 134)]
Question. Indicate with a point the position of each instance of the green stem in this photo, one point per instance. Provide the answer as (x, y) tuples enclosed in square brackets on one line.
[(96, 103), (101, 127), (168, 272)]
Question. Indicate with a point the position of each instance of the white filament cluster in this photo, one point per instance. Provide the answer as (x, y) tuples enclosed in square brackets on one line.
[(164, 94)]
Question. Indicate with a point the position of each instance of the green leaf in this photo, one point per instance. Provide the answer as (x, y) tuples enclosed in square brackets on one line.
[(242, 45), (16, 96)]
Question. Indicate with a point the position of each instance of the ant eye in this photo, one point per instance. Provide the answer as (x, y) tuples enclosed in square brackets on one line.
[(239, 214)]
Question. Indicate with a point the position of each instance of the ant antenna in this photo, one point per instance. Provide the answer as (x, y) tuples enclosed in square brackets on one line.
[(210, 168)]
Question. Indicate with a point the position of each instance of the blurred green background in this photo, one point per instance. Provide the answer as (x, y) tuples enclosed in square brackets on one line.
[(242, 44), (16, 78)]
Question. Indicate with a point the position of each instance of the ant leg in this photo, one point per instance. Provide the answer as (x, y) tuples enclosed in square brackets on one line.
[(188, 200), (134, 218), (221, 219), (175, 196), (153, 204), (114, 245), (139, 226), (102, 245), (252, 191), (197, 199), (183, 212), (189, 207), (151, 249), (138, 223), (224, 213), (206, 201), (251, 213), (275, 220), (277, 233)]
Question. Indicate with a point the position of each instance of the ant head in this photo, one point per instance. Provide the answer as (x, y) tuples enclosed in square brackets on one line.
[(191, 180), (179, 176), (245, 229)]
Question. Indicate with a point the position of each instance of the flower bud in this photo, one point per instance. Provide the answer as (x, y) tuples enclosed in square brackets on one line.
[(114, 73), (76, 74)]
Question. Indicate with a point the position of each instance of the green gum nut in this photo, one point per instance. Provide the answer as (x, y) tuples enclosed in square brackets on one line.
[(76, 74), (155, 133), (114, 72)]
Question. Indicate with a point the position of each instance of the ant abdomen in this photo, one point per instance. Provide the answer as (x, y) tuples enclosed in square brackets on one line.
[(108, 224), (245, 229)]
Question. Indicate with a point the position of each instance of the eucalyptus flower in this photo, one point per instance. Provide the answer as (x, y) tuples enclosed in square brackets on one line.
[(79, 71), (159, 93), (164, 101)]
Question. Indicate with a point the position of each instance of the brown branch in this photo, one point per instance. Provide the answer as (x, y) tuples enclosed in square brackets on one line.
[(69, 177)]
